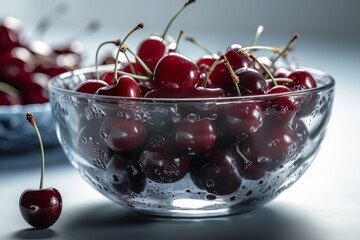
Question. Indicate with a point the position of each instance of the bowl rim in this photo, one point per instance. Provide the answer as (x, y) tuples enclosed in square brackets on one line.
[(110, 67)]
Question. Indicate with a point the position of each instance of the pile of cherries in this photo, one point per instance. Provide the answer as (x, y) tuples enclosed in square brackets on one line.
[(246, 138), (27, 65)]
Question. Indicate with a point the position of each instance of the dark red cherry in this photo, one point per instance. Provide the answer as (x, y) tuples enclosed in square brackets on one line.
[(124, 173), (176, 75), (90, 86), (194, 137), (204, 92), (220, 174), (251, 82), (302, 80), (244, 119), (156, 93), (122, 134), (161, 163), (41, 208), (125, 87), (34, 92), (9, 99), (205, 62), (280, 109), (10, 28), (273, 146), (151, 51)]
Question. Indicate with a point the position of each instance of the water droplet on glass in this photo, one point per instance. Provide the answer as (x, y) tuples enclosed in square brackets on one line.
[(210, 197), (210, 183)]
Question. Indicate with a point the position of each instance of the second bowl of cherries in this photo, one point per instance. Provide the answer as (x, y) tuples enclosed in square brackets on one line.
[(166, 135)]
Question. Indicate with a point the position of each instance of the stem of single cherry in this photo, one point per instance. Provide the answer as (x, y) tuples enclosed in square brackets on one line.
[(242, 156), (146, 68), (178, 40), (199, 44), (233, 75), (213, 66), (272, 49), (8, 89), (97, 55), (259, 30), (139, 26), (31, 119), (288, 80), (282, 52), (175, 16)]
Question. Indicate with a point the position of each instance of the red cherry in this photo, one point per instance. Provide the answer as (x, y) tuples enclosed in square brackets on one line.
[(41, 208), (125, 87), (90, 86), (176, 75), (10, 28), (244, 119), (194, 137), (251, 82), (280, 110), (301, 80), (220, 174), (161, 163), (8, 99), (123, 135)]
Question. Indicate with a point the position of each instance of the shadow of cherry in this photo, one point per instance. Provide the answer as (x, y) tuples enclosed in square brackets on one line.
[(32, 233)]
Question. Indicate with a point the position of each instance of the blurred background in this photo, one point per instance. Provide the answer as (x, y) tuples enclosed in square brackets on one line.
[(323, 204)]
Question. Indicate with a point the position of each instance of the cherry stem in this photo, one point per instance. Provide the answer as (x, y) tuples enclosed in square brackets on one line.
[(175, 16), (97, 55), (253, 58), (259, 30), (137, 27), (273, 49), (282, 52), (8, 89), (181, 33), (130, 63), (146, 68), (31, 119), (233, 75), (211, 69), (199, 44), (49, 18), (133, 75), (242, 156)]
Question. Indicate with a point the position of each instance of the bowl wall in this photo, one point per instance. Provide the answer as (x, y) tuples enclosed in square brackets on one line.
[(184, 157)]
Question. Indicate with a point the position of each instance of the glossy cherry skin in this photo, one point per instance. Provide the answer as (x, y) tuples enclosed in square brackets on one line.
[(151, 50), (123, 135), (161, 163), (251, 82), (125, 87), (176, 75), (220, 173), (281, 109), (205, 62), (124, 173), (194, 137), (34, 93), (90, 86), (9, 33), (244, 119), (301, 80), (273, 146), (41, 208)]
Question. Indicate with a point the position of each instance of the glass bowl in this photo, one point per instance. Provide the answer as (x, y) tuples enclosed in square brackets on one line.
[(16, 134), (184, 157)]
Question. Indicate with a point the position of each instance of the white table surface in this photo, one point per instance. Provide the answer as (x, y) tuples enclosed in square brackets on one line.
[(324, 204)]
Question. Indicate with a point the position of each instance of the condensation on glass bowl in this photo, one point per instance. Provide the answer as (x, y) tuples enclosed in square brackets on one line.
[(16, 134), (123, 177)]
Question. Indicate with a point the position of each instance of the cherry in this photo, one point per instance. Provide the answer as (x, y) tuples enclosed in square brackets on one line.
[(244, 119), (176, 75), (204, 92), (10, 28), (122, 134), (124, 173), (301, 80), (220, 174), (281, 109), (125, 87), (41, 207), (161, 163), (9, 95), (90, 86), (251, 82), (249, 167), (273, 146), (194, 137)]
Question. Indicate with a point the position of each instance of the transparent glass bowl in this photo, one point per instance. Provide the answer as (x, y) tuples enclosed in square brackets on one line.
[(179, 157), (16, 134)]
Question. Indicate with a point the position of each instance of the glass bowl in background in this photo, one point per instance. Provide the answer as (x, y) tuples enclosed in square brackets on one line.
[(17, 135), (181, 157)]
